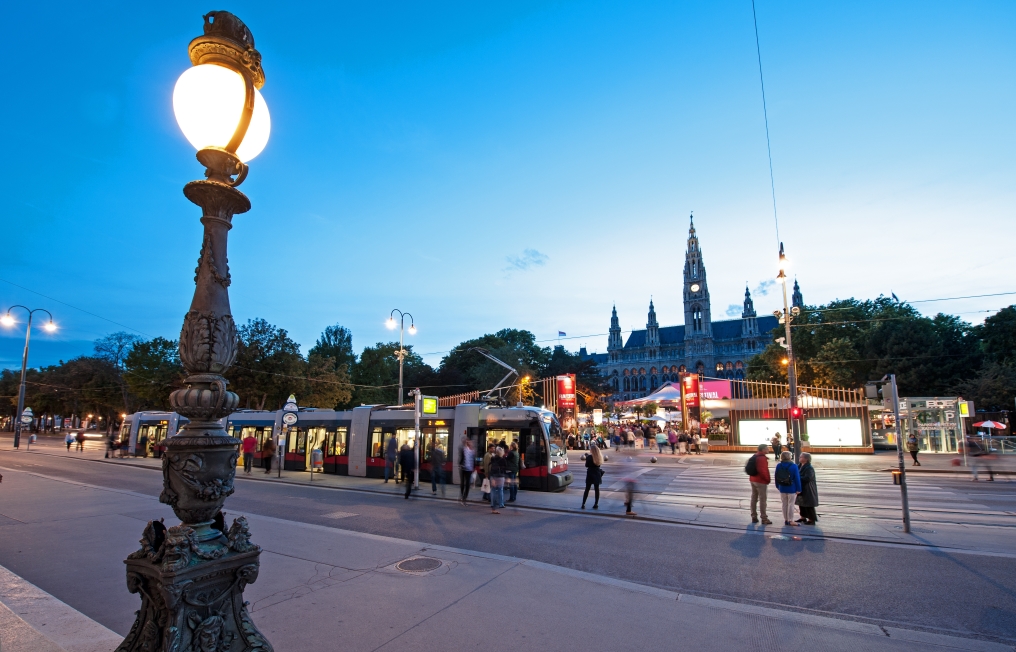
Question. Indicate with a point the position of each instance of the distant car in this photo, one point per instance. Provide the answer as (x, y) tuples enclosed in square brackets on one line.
[(91, 434)]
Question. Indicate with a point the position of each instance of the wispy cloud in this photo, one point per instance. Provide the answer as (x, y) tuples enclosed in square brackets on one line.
[(764, 287), (530, 258), (734, 310)]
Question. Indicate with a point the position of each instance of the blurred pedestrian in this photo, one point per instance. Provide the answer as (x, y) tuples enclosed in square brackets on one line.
[(407, 462), (757, 469), (485, 467), (69, 439), (80, 438), (391, 456), (594, 473), (807, 499), (249, 444), (672, 438), (661, 439), (631, 440), (268, 452), (913, 446), (497, 470), (513, 471), (979, 457), (437, 470), (682, 443), (777, 447), (467, 466), (787, 478)]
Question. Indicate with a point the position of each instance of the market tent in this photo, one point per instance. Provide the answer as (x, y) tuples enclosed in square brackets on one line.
[(668, 394)]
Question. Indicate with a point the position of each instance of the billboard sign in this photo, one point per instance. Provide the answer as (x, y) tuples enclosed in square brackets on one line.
[(714, 389), (566, 392), (597, 417)]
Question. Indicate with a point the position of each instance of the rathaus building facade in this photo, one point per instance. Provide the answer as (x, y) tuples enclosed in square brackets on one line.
[(655, 355)]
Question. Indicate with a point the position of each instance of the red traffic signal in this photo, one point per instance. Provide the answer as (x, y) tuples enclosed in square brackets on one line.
[(796, 413)]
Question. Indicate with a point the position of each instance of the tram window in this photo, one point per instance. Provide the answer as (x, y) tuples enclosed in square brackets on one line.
[(298, 441), (338, 438), (441, 440), (375, 442), (533, 451), (430, 437), (497, 436)]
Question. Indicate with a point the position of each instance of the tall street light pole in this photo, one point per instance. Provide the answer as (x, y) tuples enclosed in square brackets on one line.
[(191, 576), (787, 317), (401, 353), (8, 320)]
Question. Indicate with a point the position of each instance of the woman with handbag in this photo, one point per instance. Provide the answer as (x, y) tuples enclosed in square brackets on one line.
[(807, 500), (594, 460)]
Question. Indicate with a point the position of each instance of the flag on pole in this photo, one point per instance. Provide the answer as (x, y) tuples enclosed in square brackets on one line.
[(562, 334)]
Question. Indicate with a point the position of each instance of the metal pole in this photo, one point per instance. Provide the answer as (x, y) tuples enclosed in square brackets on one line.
[(402, 353), (416, 442), (795, 424), (21, 391), (283, 441), (895, 400)]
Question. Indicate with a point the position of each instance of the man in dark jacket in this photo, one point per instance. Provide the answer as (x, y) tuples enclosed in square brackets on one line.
[(407, 460), (807, 500), (437, 470), (391, 456), (760, 485), (513, 472)]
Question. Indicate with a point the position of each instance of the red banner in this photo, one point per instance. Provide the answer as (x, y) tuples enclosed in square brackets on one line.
[(565, 392), (690, 390)]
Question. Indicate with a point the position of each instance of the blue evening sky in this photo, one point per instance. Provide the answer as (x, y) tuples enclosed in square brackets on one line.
[(511, 164)]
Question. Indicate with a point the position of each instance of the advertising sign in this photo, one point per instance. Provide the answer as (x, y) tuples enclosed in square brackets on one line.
[(691, 405), (566, 392), (714, 389), (430, 405), (597, 417)]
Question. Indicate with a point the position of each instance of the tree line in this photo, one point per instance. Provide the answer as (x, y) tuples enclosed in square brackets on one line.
[(846, 343), (127, 373)]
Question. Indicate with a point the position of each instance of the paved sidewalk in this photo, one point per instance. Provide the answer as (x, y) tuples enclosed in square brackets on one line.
[(327, 588), (972, 530)]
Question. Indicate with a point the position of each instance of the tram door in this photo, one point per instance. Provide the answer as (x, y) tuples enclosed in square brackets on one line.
[(315, 441)]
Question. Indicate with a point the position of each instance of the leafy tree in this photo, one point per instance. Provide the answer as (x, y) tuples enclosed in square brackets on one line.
[(336, 342), (327, 384), (113, 349), (991, 389), (998, 336), (465, 370), (268, 366), (153, 370), (376, 374)]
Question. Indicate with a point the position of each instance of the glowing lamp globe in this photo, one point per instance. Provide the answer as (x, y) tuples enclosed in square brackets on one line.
[(208, 102)]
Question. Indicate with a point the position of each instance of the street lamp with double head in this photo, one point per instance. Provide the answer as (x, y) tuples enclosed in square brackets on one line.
[(786, 317), (191, 576), (401, 353), (50, 327)]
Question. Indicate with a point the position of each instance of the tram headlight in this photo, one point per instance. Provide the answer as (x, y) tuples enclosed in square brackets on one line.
[(208, 102)]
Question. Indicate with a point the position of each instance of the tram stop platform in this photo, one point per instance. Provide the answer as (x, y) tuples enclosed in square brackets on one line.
[(326, 588)]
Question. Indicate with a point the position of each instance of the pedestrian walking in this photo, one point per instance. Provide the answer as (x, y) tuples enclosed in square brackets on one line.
[(497, 470), (757, 469), (672, 440), (485, 467), (661, 439), (467, 469), (110, 447), (979, 457), (268, 452), (512, 479), (407, 461), (787, 478), (594, 473), (69, 440), (682, 443), (777, 447), (913, 446), (391, 456), (249, 444), (437, 471), (80, 438), (631, 440), (807, 500)]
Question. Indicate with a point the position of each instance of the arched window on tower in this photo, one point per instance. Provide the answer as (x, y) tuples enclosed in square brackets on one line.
[(696, 319), (627, 383)]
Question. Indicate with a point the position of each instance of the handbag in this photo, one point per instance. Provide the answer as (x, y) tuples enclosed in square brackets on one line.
[(485, 487)]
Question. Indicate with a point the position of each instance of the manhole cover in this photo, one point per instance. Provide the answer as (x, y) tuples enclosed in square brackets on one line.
[(418, 565)]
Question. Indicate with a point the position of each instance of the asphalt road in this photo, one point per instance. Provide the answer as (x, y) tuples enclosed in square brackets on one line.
[(961, 593)]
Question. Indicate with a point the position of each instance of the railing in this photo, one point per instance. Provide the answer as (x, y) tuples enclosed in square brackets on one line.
[(757, 400)]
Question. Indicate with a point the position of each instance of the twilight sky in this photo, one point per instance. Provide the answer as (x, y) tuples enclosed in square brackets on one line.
[(511, 164)]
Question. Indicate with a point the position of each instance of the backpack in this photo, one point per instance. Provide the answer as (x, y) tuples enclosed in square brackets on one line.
[(783, 477), (750, 467)]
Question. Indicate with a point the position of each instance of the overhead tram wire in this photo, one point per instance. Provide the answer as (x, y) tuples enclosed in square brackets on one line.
[(64, 303), (765, 114)]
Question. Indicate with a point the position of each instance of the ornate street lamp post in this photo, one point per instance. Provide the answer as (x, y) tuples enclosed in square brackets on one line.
[(401, 353), (8, 320), (191, 577)]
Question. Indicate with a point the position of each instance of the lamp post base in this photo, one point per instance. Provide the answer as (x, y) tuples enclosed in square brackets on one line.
[(191, 596)]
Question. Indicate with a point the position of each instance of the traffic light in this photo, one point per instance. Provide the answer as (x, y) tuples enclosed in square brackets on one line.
[(796, 413)]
